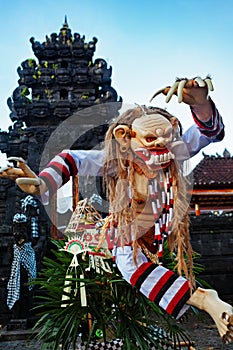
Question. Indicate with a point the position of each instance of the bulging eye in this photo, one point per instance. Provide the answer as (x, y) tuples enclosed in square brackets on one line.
[(151, 138)]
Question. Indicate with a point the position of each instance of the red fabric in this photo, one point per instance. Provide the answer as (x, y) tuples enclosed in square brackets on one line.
[(177, 297), (71, 161), (139, 272), (49, 181), (62, 168), (162, 281)]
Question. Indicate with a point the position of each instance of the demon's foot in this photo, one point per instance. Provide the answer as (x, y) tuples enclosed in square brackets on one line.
[(221, 312)]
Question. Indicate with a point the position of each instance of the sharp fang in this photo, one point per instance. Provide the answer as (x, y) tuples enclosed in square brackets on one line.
[(180, 89), (151, 160), (171, 91), (165, 156), (209, 84), (143, 151), (200, 82)]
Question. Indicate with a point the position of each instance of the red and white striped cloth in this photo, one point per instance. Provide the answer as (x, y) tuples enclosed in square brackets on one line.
[(212, 129), (162, 286)]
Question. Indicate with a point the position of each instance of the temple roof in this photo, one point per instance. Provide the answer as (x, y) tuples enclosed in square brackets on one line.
[(214, 171)]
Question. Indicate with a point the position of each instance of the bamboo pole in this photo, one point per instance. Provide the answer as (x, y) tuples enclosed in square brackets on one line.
[(75, 191), (53, 216), (75, 199)]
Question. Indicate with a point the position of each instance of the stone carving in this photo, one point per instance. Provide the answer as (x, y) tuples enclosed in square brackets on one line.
[(62, 79)]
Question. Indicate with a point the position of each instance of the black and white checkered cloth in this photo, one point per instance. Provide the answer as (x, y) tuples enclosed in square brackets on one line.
[(163, 341), (115, 344), (28, 201), (24, 255), (19, 218), (34, 226)]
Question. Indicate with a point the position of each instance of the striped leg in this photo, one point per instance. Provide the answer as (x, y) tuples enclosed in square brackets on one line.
[(167, 289)]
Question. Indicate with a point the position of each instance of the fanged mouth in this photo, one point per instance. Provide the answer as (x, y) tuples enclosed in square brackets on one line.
[(154, 157)]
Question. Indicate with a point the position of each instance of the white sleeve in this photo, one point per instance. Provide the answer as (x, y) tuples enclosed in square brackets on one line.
[(69, 163), (202, 134)]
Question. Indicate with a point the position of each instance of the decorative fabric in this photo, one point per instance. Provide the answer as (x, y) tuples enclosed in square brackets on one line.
[(75, 247), (162, 286), (161, 194), (163, 341), (116, 344), (84, 218), (83, 232), (19, 218), (215, 129), (34, 226), (24, 255), (28, 201), (59, 171)]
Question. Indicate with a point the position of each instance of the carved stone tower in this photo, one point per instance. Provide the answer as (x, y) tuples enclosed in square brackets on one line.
[(62, 79)]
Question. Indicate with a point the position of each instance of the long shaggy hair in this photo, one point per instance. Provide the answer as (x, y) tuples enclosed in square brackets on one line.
[(119, 180)]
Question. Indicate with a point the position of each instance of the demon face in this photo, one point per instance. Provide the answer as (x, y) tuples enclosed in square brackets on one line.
[(150, 140)]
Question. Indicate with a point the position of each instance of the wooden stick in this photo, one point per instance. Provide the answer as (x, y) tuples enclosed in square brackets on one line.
[(75, 191), (53, 215)]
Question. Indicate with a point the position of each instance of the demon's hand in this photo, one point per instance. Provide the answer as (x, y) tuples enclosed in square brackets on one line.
[(25, 178), (190, 91), (221, 312)]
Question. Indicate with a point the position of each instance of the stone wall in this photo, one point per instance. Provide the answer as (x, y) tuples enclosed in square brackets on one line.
[(212, 237)]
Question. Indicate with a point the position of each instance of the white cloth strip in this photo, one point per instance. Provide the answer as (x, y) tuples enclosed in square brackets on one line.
[(172, 291), (152, 279)]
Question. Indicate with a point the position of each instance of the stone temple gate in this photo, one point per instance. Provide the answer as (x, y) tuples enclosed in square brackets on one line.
[(62, 79)]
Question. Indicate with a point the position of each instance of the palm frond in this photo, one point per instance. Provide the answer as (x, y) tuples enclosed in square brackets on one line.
[(116, 308)]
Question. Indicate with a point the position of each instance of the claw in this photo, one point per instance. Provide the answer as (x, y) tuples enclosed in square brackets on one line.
[(180, 89), (172, 90), (157, 93), (28, 181), (225, 316), (227, 338), (177, 87), (17, 159), (199, 81), (209, 84)]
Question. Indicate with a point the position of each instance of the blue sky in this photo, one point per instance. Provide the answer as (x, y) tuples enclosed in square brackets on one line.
[(147, 43)]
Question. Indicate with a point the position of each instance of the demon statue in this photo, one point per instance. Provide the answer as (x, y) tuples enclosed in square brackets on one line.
[(147, 191)]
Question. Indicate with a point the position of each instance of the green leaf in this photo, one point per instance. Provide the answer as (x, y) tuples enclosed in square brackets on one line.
[(116, 307)]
